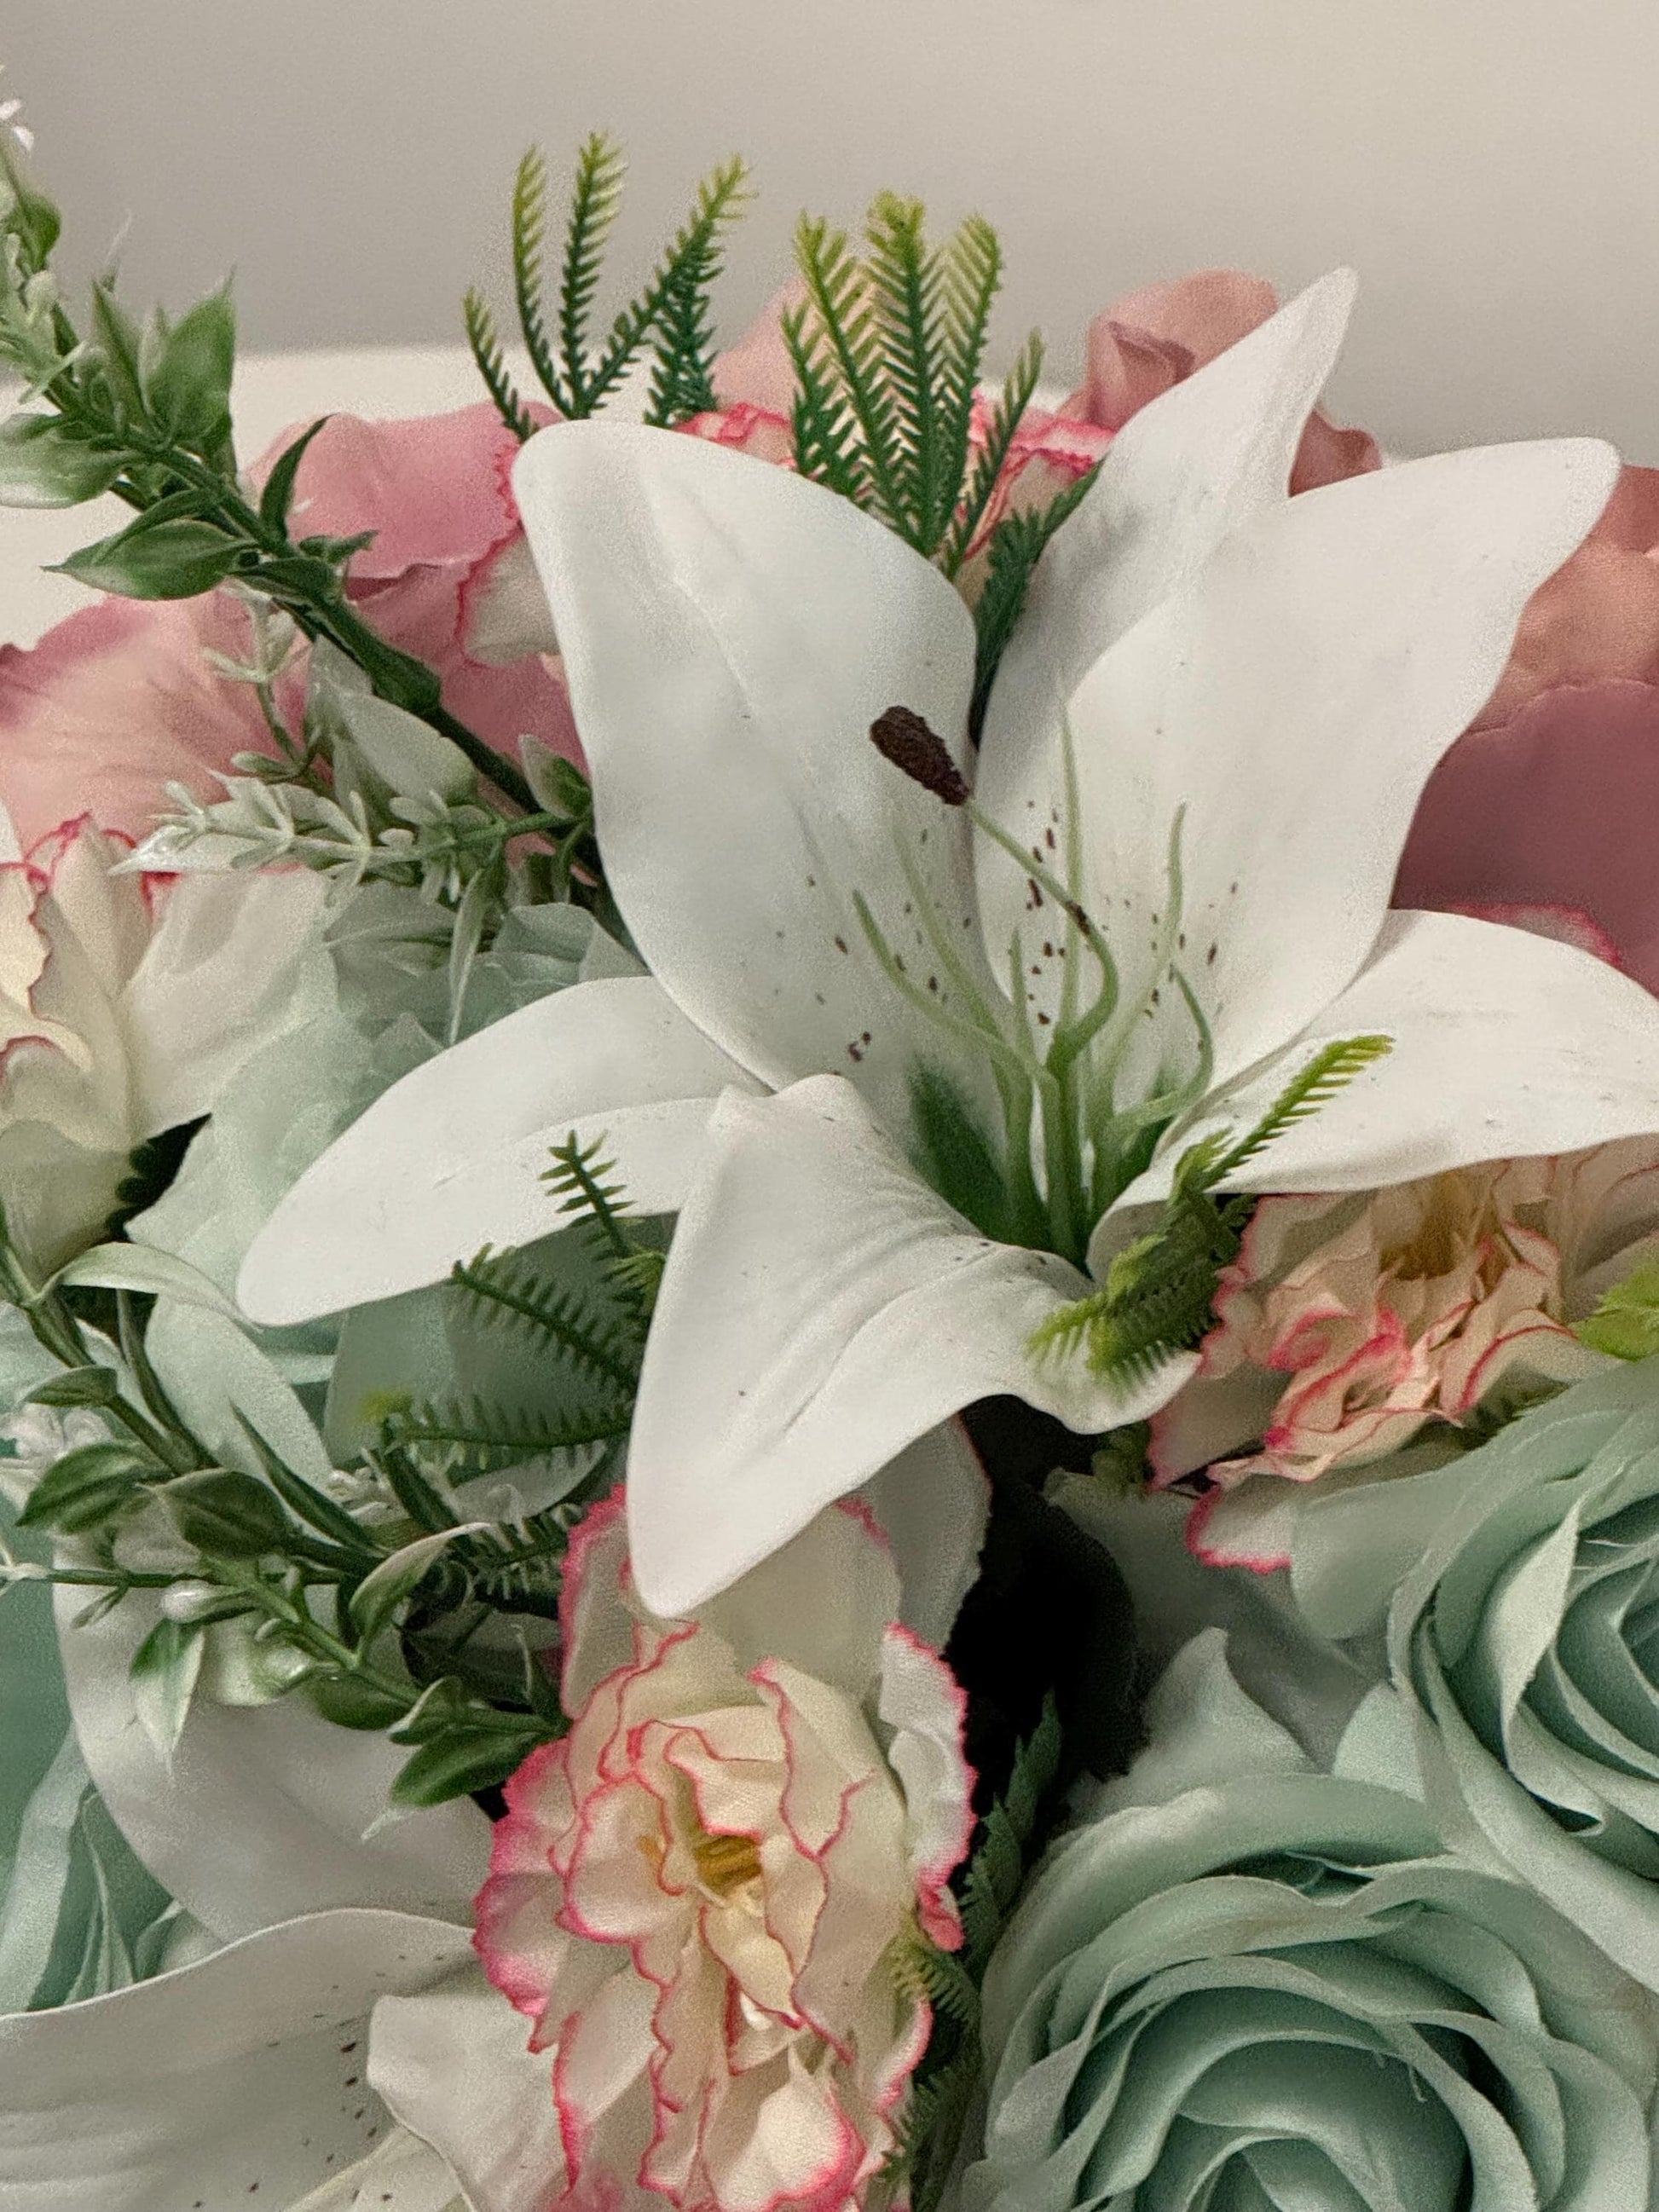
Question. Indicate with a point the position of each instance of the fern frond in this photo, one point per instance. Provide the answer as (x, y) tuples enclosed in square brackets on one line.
[(481, 337), (1018, 387), (825, 435), (1017, 543), (529, 238), (903, 282), (683, 380), (1330, 1070), (483, 1435), (836, 286), (505, 1289), (584, 1182), (595, 198), (693, 259), (929, 1976), (998, 1866), (970, 279)]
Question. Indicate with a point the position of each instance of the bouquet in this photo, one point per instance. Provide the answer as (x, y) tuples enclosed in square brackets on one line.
[(829, 1254)]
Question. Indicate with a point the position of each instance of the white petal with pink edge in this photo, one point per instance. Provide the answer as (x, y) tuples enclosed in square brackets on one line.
[(822, 1309), (923, 1703), (453, 1157)]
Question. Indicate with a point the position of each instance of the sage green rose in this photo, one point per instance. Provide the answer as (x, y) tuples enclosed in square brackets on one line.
[(1251, 1986), (1519, 1587)]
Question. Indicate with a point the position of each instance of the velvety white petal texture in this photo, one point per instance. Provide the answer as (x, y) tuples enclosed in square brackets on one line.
[(240, 2081), (1294, 699), (455, 2067), (400, 2174), (1202, 460), (1505, 1045), (932, 1503), (262, 1815), (451, 1157), (821, 1309), (234, 961), (730, 631)]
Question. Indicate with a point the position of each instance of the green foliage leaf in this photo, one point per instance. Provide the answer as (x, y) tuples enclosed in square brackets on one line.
[(349, 1702), (302, 1498), (77, 1386), (410, 757), (226, 1514), (476, 1751), (1017, 543), (43, 463), (491, 361), (508, 1289), (187, 374), (166, 1668), (956, 1154), (1625, 1322), (277, 496), (87, 1487), (150, 560), (992, 1883), (378, 1595)]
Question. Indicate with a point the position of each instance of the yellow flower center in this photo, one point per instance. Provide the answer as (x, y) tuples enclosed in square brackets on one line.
[(726, 1863)]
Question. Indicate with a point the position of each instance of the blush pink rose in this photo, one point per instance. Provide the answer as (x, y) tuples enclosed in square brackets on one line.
[(120, 700), (1350, 1327), (694, 1894)]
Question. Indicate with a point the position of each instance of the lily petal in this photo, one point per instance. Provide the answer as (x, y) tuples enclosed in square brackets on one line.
[(451, 1157), (1505, 1045), (455, 2067), (822, 1309), (262, 1815), (244, 2073), (730, 630), (1205, 458), (1294, 700)]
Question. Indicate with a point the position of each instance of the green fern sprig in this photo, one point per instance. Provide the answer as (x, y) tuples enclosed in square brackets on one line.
[(483, 1437), (578, 374), (507, 1291), (1017, 389), (970, 277), (998, 1866), (1015, 546), (595, 200), (583, 1182), (487, 352), (1158, 1297)]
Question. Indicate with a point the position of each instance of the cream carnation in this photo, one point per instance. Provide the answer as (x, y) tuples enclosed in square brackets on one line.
[(1351, 1325), (693, 1895)]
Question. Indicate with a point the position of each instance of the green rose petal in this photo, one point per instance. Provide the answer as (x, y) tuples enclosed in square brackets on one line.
[(1277, 1992)]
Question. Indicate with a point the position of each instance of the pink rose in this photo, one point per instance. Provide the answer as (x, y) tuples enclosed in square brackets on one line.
[(119, 699), (1156, 337), (1352, 1326), (694, 1895)]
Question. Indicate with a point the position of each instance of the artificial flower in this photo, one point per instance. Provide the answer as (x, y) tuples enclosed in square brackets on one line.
[(1515, 1588), (1348, 1326), (728, 650), (127, 1004), (1252, 1982), (125, 697), (1153, 338), (695, 1894)]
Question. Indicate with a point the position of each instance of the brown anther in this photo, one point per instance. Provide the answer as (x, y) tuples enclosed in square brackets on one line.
[(904, 738)]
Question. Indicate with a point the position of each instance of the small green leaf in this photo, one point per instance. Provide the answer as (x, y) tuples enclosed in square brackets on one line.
[(148, 1269), (42, 465), (165, 1670), (303, 1498), (86, 1487), (119, 342), (187, 375), (351, 1704), (77, 1386), (465, 1757), (171, 560), (377, 1596), (1626, 1323), (278, 494), (559, 785), (226, 1514)]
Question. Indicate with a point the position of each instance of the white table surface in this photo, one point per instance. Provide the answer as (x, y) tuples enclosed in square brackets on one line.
[(272, 392)]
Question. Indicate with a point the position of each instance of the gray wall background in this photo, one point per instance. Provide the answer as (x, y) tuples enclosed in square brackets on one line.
[(1490, 166)]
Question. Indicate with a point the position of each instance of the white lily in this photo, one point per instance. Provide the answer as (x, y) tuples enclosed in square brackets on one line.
[(1187, 899)]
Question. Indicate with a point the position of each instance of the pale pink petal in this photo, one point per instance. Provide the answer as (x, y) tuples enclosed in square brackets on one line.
[(1559, 810), (1249, 1527), (116, 703), (757, 372)]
